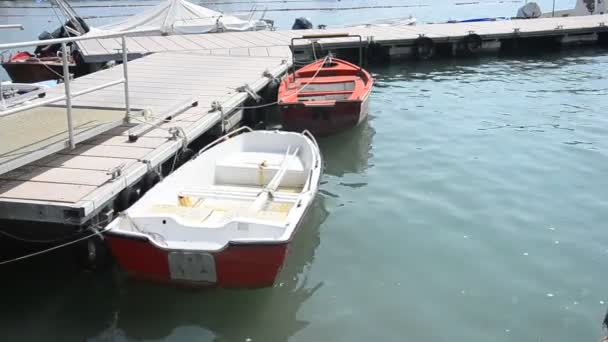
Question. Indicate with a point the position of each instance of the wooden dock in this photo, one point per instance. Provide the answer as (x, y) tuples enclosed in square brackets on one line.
[(394, 41), (72, 186)]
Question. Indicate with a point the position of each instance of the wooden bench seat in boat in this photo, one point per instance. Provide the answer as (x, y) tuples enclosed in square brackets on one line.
[(257, 169), (218, 210)]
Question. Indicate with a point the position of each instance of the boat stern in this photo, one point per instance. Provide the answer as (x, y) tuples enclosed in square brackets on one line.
[(238, 265)]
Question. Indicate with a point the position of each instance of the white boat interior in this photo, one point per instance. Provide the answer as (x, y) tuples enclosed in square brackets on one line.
[(254, 187)]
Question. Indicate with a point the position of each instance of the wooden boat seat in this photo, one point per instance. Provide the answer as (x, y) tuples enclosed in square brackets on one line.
[(257, 169), (219, 210)]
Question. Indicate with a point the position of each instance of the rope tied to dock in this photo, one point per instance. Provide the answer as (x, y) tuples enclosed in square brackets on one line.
[(96, 228), (247, 89), (215, 105)]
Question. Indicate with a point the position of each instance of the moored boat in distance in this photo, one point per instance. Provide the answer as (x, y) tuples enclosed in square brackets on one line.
[(25, 67), (225, 218), (326, 97)]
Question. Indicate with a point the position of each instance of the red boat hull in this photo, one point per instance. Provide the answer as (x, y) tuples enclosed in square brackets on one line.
[(324, 120), (236, 266)]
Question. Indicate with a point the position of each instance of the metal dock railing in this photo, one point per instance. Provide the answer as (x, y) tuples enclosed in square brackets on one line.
[(127, 121), (15, 159)]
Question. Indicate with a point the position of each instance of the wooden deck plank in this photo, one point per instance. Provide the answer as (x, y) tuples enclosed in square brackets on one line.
[(242, 40), (124, 141), (58, 175), (279, 51), (203, 41), (222, 42), (239, 52), (186, 43), (132, 44), (149, 44), (265, 40), (109, 151), (182, 45), (167, 43), (39, 191), (110, 45), (83, 162), (259, 51)]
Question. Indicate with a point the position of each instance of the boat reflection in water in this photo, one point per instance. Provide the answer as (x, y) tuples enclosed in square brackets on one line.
[(350, 151), (148, 311)]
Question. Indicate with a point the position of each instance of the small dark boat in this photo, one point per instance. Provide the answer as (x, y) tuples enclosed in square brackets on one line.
[(46, 62), (325, 97), (24, 67)]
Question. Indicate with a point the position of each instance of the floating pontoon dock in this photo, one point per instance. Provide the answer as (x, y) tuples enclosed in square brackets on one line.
[(73, 185), (42, 179), (396, 40)]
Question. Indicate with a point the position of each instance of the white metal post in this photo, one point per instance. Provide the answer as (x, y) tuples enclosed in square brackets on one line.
[(2, 96), (126, 77), (68, 95)]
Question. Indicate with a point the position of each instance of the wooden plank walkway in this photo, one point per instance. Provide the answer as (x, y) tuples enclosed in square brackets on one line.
[(250, 43), (72, 185)]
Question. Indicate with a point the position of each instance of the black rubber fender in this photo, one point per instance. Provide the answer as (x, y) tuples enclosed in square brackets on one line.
[(472, 43), (149, 180), (125, 199), (271, 90), (185, 155), (424, 48)]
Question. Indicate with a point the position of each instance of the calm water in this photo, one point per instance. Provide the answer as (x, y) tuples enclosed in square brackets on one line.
[(472, 206)]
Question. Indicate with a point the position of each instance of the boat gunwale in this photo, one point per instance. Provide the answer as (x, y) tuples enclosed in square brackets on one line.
[(307, 196)]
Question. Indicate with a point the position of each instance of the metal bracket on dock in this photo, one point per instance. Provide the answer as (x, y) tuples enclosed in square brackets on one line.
[(145, 127), (601, 24), (217, 106), (559, 27), (178, 132), (516, 30), (247, 89), (116, 172), (270, 76)]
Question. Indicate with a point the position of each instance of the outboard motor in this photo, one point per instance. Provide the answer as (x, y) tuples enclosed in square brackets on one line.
[(529, 10), (76, 24), (301, 24)]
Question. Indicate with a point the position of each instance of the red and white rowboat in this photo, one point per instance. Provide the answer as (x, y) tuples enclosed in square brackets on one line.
[(225, 218), (325, 97)]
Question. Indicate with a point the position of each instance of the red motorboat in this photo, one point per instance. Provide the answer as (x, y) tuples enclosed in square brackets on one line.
[(325, 97)]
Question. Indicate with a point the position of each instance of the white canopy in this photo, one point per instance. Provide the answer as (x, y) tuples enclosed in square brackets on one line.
[(182, 17)]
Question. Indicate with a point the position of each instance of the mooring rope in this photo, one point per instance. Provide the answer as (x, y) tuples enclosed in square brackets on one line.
[(294, 94), (27, 256)]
